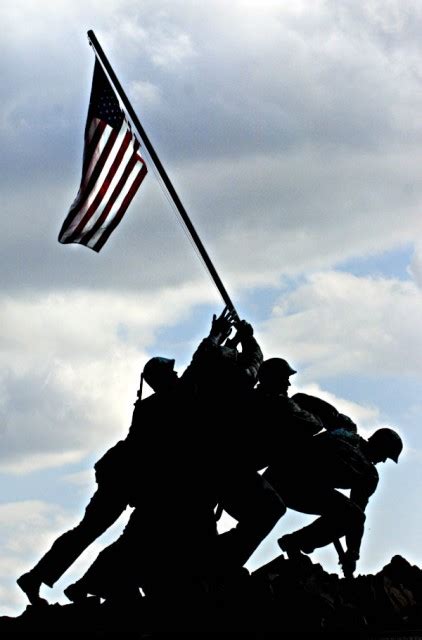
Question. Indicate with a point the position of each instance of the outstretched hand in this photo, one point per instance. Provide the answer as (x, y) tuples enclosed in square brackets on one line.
[(221, 326)]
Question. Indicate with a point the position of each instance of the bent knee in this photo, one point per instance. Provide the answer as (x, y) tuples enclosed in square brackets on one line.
[(356, 515)]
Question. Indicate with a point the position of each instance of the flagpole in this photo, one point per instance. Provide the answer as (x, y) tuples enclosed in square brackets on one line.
[(166, 180)]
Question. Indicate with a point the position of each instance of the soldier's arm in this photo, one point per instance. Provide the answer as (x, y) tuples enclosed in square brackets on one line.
[(144, 415), (220, 330), (251, 357), (353, 543), (360, 495)]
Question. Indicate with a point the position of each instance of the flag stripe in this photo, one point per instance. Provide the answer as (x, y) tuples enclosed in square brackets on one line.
[(93, 142), (98, 159), (92, 221), (119, 215), (120, 193), (133, 160), (103, 228), (100, 156), (102, 184)]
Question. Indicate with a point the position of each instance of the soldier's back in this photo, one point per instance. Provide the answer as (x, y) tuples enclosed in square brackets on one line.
[(340, 456)]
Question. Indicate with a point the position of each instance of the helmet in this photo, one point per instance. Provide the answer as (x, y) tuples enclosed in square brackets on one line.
[(155, 367), (388, 442), (275, 367)]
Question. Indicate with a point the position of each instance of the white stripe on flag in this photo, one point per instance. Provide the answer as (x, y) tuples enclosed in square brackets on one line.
[(116, 206), (101, 179)]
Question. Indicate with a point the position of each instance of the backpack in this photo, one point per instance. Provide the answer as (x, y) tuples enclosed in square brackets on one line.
[(341, 459), (325, 411)]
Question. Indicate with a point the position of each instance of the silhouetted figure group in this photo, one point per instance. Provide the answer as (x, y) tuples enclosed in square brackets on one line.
[(225, 436)]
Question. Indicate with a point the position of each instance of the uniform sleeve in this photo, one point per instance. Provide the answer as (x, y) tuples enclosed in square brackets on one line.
[(112, 462), (250, 359), (360, 495), (200, 359), (143, 417)]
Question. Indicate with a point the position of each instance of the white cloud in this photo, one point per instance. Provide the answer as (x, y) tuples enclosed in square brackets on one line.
[(28, 527), (70, 368), (84, 479), (35, 461), (172, 48), (145, 93), (415, 267), (336, 323), (149, 32), (301, 211)]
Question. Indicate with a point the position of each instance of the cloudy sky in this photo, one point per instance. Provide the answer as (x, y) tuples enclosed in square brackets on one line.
[(293, 135)]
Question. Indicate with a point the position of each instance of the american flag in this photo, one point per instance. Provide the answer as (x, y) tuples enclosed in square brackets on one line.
[(112, 170)]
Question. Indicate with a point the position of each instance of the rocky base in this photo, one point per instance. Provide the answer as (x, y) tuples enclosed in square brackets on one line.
[(282, 597)]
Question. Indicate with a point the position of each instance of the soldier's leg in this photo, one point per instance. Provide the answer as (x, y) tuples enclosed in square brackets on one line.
[(252, 501), (102, 511), (168, 534), (113, 574), (339, 516), (119, 568)]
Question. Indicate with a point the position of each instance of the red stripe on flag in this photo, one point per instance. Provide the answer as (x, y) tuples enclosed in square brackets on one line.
[(99, 166), (119, 215), (85, 189), (103, 188), (112, 198), (90, 147)]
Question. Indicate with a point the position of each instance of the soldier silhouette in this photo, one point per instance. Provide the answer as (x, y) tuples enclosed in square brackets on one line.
[(260, 418), (114, 478), (282, 421), (198, 470), (309, 483), (309, 464), (114, 474), (129, 469)]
